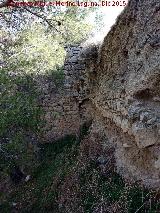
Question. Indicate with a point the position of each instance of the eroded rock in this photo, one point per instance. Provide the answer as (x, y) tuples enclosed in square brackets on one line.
[(127, 90)]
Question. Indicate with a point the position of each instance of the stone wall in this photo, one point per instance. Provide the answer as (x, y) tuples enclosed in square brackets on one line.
[(63, 108)]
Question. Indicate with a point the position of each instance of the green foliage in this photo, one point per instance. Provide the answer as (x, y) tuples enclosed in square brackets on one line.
[(34, 51), (75, 29), (56, 161), (54, 177), (37, 48), (57, 76), (19, 107), (20, 115)]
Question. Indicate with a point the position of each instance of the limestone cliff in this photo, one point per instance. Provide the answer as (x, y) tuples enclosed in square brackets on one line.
[(126, 94)]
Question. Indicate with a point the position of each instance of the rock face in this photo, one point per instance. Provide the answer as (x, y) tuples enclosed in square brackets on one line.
[(126, 96), (119, 90)]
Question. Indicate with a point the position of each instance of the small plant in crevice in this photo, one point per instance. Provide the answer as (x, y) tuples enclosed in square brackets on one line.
[(58, 76)]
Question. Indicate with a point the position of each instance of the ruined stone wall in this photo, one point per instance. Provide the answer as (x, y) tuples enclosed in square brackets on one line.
[(63, 111)]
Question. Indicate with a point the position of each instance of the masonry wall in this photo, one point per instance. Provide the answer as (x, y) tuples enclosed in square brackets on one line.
[(63, 108)]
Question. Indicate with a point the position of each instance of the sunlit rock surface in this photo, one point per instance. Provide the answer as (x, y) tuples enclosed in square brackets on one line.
[(127, 91)]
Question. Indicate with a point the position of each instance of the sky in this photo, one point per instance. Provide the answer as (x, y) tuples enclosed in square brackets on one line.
[(109, 15)]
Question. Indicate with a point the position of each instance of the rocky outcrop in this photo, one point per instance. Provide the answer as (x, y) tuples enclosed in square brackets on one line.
[(126, 94)]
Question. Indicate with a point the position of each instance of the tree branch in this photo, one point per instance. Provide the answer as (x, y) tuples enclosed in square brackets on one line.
[(42, 17), (11, 2)]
